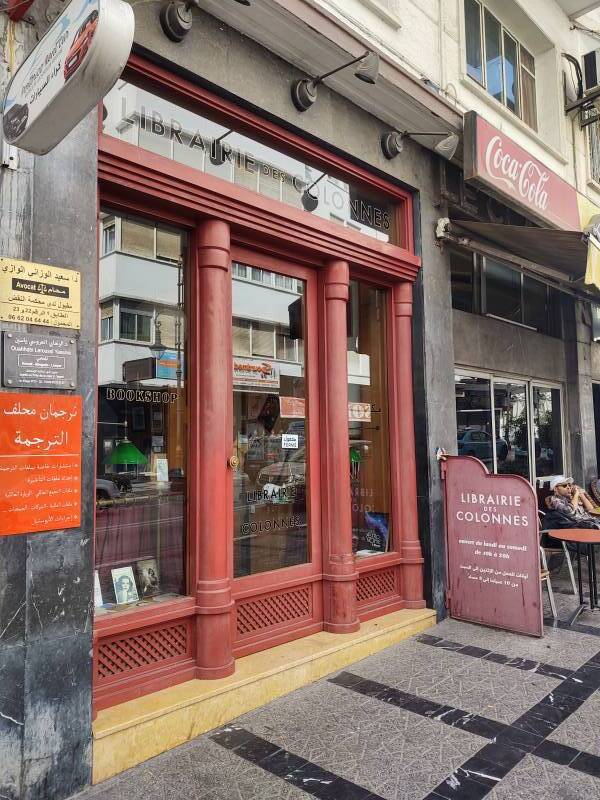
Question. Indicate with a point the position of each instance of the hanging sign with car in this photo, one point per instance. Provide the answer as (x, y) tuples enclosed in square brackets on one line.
[(67, 73), (492, 547)]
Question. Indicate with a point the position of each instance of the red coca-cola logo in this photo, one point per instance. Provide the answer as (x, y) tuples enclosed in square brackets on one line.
[(523, 177), (496, 161)]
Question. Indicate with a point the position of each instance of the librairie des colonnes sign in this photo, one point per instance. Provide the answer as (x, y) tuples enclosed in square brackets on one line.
[(73, 66)]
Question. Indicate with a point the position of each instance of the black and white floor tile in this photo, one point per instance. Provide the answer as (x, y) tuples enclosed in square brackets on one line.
[(459, 712)]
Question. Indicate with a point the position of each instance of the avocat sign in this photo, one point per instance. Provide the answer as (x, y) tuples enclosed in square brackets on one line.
[(67, 73)]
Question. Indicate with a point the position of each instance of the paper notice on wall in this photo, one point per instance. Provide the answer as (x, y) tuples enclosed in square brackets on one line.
[(289, 441), (359, 412), (292, 407), (162, 470)]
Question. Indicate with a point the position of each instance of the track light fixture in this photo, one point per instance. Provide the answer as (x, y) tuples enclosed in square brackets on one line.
[(176, 17), (217, 153), (392, 143), (309, 201), (304, 92)]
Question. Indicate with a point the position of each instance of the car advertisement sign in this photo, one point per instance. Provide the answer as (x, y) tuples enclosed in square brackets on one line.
[(67, 73)]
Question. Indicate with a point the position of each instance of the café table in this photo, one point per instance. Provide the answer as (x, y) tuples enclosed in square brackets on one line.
[(587, 538)]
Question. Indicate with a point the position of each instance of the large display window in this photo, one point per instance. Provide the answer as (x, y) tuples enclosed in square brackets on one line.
[(270, 421), (368, 426), (142, 415)]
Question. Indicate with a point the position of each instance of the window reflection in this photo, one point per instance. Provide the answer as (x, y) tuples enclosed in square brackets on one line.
[(474, 419), (142, 415), (368, 420), (269, 428), (512, 429), (547, 431)]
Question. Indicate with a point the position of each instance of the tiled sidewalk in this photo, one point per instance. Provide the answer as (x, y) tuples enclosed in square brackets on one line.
[(460, 712)]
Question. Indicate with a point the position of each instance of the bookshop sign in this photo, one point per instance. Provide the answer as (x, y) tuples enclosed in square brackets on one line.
[(492, 547)]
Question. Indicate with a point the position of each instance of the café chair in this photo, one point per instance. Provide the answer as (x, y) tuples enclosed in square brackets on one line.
[(545, 577), (555, 549)]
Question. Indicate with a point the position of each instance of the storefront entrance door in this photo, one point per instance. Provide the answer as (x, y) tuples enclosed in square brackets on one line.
[(276, 538)]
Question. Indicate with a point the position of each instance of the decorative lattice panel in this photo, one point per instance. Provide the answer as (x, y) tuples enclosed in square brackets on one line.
[(139, 650), (256, 614), (375, 585)]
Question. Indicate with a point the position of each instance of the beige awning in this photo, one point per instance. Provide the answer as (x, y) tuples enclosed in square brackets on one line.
[(565, 251)]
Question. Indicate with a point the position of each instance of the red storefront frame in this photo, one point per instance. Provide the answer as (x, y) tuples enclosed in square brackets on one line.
[(143, 650)]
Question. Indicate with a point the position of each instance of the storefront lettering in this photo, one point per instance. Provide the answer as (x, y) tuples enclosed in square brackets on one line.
[(141, 395), (369, 214), (281, 494), (270, 525), (361, 210)]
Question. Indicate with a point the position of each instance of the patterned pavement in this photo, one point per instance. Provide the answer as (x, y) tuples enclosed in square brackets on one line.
[(459, 712)]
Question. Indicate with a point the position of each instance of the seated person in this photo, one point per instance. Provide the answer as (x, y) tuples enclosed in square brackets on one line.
[(569, 506)]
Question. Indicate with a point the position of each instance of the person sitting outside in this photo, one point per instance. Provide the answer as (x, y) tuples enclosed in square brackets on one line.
[(569, 506)]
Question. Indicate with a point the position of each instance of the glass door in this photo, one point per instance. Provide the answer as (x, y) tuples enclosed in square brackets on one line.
[(272, 422)]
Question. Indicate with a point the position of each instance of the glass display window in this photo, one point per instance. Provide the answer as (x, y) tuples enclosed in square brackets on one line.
[(153, 123), (140, 545), (368, 424), (513, 426), (270, 422)]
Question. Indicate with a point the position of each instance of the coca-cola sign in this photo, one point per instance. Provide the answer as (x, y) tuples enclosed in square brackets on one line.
[(496, 162)]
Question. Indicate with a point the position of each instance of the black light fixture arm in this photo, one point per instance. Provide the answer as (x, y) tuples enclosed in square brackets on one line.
[(314, 183), (321, 78)]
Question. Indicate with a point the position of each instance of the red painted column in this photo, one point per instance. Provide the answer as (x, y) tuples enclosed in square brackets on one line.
[(339, 569), (409, 546), (211, 436)]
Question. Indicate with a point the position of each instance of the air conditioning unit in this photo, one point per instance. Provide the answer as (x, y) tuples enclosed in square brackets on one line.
[(591, 70)]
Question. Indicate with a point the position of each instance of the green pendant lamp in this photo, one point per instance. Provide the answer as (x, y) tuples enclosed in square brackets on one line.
[(126, 453)]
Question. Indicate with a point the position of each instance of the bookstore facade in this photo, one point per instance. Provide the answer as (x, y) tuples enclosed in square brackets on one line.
[(243, 498)]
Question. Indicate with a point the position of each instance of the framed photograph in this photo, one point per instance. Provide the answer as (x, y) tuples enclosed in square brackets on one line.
[(148, 577), (124, 583), (138, 418)]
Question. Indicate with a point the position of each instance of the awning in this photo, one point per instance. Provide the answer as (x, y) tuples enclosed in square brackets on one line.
[(573, 253), (562, 250)]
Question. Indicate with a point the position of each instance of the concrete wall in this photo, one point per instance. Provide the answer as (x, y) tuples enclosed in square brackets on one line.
[(48, 214)]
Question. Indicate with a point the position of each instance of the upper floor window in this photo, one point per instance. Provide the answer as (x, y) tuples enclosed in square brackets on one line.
[(499, 62), (486, 286)]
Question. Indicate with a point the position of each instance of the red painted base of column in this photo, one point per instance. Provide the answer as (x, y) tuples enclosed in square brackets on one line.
[(214, 636)]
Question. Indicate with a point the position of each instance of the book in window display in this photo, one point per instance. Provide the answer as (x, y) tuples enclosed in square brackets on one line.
[(124, 583), (148, 577)]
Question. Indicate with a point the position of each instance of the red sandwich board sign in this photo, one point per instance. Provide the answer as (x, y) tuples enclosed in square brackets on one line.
[(492, 541)]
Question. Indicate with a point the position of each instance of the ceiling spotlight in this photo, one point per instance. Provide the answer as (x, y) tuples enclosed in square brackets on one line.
[(392, 143), (176, 17), (304, 92), (309, 201)]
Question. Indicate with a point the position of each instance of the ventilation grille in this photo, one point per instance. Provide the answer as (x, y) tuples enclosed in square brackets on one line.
[(375, 585), (257, 614), (141, 650)]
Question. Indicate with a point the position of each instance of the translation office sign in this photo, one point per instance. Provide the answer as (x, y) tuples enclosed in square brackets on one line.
[(492, 547), (38, 294), (40, 462), (68, 72)]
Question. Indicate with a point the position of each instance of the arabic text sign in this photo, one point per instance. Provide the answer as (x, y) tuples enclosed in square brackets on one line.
[(500, 164), (493, 548), (37, 361), (67, 73), (40, 462), (39, 294)]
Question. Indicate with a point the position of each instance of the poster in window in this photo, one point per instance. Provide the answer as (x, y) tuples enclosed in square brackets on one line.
[(373, 538)]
